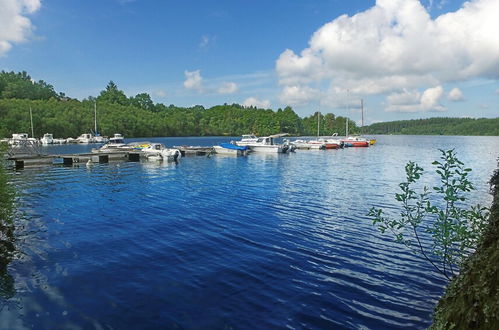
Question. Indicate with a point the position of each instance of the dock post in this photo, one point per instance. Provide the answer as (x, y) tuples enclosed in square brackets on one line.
[(19, 164)]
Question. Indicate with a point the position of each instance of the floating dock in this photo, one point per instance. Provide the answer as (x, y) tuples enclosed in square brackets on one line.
[(22, 160)]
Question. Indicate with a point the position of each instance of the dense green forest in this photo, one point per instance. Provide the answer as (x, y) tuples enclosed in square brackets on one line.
[(139, 116), (437, 126)]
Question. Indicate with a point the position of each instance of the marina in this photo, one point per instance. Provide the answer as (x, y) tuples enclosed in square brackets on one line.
[(24, 151)]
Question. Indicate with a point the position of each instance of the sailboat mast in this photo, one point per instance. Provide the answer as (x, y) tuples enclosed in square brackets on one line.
[(346, 117), (318, 123), (362, 110), (95, 117), (31, 120)]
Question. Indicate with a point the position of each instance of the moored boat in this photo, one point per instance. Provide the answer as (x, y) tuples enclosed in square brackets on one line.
[(356, 141), (309, 145), (158, 152), (47, 139), (265, 144), (231, 149), (85, 138), (115, 144)]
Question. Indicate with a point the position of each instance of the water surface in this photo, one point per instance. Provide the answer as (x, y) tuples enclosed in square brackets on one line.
[(264, 241)]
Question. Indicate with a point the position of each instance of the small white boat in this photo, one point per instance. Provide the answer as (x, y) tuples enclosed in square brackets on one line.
[(22, 139), (59, 141), (158, 152), (85, 138), (310, 144), (18, 138), (47, 139), (231, 149), (264, 144), (71, 140), (100, 139)]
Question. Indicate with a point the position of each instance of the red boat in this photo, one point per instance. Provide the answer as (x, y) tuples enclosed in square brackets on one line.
[(356, 141)]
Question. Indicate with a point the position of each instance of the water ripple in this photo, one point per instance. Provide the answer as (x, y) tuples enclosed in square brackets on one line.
[(264, 241)]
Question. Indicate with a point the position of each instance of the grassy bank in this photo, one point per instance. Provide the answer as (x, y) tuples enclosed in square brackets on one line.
[(471, 300)]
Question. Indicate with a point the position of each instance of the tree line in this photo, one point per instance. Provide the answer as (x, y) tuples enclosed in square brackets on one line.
[(437, 126), (139, 116)]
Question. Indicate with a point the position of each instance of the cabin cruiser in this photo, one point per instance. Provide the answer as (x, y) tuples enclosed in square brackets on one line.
[(22, 139), (115, 144), (85, 138), (47, 139), (158, 151), (265, 144)]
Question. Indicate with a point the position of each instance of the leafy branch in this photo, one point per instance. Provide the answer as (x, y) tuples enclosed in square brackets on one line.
[(455, 230)]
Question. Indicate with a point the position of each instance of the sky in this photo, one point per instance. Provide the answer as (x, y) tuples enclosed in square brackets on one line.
[(405, 59)]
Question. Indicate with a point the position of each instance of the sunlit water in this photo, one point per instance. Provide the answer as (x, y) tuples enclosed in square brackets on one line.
[(257, 242)]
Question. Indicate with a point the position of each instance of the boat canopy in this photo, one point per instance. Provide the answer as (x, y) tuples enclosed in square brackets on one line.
[(232, 146)]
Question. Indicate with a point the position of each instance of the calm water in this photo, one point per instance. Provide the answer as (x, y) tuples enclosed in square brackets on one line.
[(260, 242)]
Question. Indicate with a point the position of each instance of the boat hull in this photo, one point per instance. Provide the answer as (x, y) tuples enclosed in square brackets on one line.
[(225, 151), (276, 149)]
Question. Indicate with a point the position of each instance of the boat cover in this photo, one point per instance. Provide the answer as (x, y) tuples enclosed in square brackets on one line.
[(232, 146)]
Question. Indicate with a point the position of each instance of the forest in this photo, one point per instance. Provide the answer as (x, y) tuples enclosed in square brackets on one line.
[(437, 126), (138, 116)]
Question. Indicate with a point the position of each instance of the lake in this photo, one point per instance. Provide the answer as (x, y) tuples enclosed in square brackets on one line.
[(257, 242)]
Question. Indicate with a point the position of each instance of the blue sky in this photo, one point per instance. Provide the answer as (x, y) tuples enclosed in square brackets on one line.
[(407, 59)]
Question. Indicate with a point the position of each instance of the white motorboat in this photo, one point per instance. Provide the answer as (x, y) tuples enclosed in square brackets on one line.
[(59, 141), (47, 139), (265, 144), (22, 139), (85, 138), (100, 139), (115, 144), (158, 151), (310, 144), (18, 138)]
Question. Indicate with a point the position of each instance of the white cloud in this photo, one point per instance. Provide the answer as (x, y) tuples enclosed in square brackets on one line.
[(298, 95), (15, 27), (227, 88), (193, 80), (414, 101), (397, 45), (455, 95), (252, 101)]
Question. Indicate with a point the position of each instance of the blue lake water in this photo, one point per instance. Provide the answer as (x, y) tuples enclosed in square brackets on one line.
[(256, 242)]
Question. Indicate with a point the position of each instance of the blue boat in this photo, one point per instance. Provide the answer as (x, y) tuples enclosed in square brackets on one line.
[(231, 149)]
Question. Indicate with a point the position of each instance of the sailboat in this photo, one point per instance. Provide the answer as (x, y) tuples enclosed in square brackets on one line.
[(355, 140), (311, 144), (94, 137), (97, 137)]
